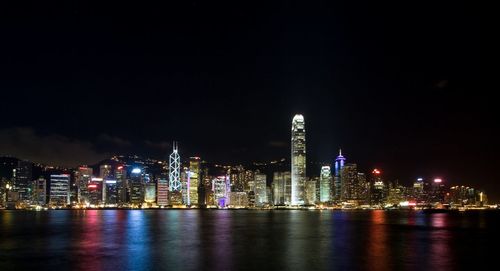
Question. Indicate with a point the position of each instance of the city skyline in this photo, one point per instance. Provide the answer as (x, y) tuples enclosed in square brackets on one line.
[(406, 96), (337, 163), (142, 183)]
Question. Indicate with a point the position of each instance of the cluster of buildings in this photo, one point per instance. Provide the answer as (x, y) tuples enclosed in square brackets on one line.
[(130, 182)]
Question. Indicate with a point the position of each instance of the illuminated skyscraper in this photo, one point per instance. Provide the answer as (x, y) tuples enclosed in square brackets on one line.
[(394, 194), (325, 184), (281, 188), (175, 170), (418, 190), (162, 190), (105, 172), (194, 179), (185, 186), (259, 188), (298, 160), (83, 177), (95, 191), (379, 189), (110, 192), (23, 179), (122, 184), (311, 192), (337, 185), (237, 177), (136, 187), (150, 193), (248, 180), (437, 192), (40, 195), (363, 189), (59, 189), (221, 188), (349, 183)]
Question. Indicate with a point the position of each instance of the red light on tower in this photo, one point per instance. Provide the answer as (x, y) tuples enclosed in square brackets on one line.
[(376, 171), (438, 180)]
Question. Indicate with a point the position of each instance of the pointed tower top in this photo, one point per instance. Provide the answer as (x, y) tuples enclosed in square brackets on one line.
[(340, 157)]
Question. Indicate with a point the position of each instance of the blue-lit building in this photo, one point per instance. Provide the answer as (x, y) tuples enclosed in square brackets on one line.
[(337, 182)]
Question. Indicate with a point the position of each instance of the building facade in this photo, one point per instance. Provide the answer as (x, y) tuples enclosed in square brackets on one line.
[(337, 182), (349, 183), (298, 160), (259, 188), (23, 179), (194, 180), (311, 192), (325, 184), (175, 170), (83, 176), (59, 189), (281, 188)]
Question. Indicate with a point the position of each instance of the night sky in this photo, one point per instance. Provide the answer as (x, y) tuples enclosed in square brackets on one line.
[(395, 84)]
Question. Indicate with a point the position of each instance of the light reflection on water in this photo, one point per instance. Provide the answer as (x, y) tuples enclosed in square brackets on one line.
[(378, 252), (243, 240)]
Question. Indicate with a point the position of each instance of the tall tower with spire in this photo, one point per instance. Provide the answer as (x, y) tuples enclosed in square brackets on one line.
[(337, 182), (175, 170), (298, 160)]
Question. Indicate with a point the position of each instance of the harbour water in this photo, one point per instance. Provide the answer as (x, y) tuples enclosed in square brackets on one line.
[(247, 240)]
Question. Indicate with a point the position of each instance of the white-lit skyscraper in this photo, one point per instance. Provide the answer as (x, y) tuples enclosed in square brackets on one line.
[(175, 170), (311, 192), (281, 188), (298, 160), (260, 189), (325, 183), (59, 189)]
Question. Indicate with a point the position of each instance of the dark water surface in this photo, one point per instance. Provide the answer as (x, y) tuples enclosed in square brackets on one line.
[(248, 240)]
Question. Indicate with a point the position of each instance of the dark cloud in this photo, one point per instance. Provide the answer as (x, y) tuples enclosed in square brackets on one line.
[(441, 84), (50, 149), (105, 138), (162, 145)]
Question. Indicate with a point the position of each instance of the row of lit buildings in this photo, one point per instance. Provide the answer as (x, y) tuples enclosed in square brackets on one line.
[(195, 184), (235, 187)]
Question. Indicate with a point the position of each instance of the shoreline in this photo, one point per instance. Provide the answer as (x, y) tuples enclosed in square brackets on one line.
[(256, 209)]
